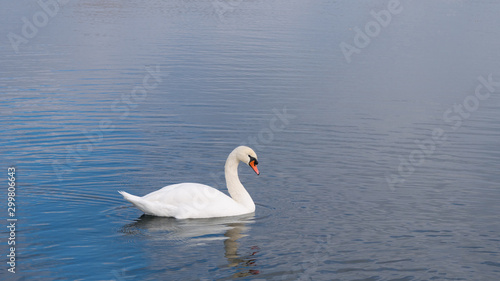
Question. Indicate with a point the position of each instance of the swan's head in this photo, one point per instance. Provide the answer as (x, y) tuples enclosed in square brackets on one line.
[(247, 155)]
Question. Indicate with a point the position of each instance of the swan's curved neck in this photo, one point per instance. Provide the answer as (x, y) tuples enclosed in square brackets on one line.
[(234, 186)]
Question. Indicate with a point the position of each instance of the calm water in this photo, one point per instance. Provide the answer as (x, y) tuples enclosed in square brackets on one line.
[(378, 161)]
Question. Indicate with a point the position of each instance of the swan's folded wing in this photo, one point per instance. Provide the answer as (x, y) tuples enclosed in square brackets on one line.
[(193, 200), (186, 200)]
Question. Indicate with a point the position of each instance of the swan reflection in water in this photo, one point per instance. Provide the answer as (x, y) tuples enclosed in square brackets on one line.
[(196, 232)]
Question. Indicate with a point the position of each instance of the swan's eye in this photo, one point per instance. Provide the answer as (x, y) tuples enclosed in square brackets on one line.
[(252, 159)]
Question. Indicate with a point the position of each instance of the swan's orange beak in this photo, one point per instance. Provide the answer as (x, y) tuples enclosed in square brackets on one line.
[(254, 167)]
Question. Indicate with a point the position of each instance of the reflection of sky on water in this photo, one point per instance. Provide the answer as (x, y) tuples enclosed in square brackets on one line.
[(222, 77)]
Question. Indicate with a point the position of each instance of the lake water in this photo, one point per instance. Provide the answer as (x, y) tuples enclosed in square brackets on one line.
[(377, 127)]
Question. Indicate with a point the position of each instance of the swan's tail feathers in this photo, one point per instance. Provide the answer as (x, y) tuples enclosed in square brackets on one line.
[(136, 200), (150, 207), (129, 197)]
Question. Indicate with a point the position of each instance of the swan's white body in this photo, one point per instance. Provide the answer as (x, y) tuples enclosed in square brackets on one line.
[(194, 200)]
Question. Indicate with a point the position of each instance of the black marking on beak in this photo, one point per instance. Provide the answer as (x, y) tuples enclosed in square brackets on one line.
[(253, 159)]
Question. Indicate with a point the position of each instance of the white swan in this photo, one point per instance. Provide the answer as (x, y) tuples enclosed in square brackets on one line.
[(194, 200)]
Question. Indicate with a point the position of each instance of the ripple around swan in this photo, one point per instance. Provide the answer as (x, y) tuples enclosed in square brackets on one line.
[(191, 231), (269, 74), (75, 197)]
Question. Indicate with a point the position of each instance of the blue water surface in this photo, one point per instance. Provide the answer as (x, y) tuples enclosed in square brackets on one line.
[(376, 124)]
